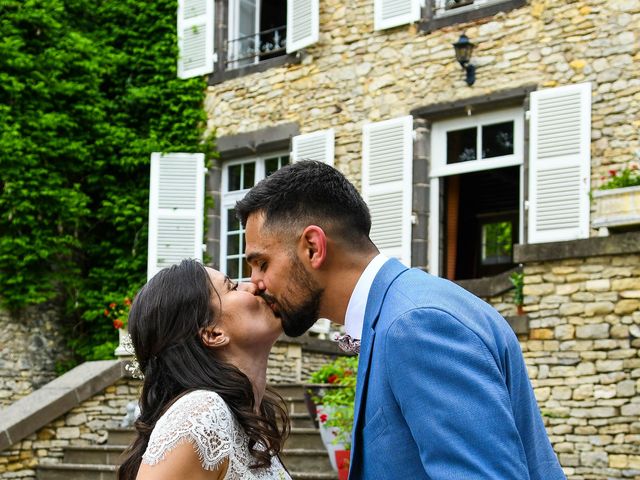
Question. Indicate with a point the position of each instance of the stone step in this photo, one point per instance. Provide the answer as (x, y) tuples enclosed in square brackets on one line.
[(74, 471), (307, 460), (313, 476), (94, 454), (70, 471), (289, 389), (120, 436), (304, 438), (300, 437), (301, 420)]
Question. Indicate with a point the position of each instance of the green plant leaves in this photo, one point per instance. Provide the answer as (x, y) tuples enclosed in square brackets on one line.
[(87, 91)]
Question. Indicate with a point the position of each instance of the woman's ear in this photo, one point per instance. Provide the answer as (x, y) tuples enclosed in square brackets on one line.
[(314, 245), (214, 337)]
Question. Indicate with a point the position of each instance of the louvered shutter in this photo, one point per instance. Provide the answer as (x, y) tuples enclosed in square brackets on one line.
[(195, 37), (391, 13), (560, 163), (176, 209), (314, 146), (386, 184), (303, 23)]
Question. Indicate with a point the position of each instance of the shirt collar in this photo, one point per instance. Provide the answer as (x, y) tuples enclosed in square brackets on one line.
[(354, 318)]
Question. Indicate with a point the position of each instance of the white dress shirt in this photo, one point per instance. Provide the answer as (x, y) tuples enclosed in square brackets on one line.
[(354, 318)]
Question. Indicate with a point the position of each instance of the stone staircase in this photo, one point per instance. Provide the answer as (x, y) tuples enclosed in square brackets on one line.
[(304, 455)]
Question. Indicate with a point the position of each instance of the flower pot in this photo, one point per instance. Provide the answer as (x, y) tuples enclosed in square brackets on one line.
[(342, 461), (329, 434), (617, 208), (314, 391)]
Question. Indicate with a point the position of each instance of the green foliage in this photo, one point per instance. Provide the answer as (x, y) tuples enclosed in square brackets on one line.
[(88, 89), (627, 177), (342, 372), (517, 279)]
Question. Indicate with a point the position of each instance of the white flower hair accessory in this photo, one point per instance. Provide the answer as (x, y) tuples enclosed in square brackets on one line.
[(132, 366)]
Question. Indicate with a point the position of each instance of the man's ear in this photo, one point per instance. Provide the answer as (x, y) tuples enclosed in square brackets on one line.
[(314, 245), (213, 337)]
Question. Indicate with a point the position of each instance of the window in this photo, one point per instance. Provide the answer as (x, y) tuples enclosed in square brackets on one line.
[(257, 31), (234, 37), (238, 176), (476, 174), (456, 7), (436, 13)]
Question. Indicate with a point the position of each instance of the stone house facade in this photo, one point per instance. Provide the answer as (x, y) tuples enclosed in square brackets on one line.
[(466, 181)]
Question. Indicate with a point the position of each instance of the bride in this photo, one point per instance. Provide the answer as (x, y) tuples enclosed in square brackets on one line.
[(202, 342)]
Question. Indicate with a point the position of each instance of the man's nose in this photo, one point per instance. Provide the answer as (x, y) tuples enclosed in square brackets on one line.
[(256, 280)]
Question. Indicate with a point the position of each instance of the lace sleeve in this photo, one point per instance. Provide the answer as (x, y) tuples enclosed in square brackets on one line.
[(200, 417)]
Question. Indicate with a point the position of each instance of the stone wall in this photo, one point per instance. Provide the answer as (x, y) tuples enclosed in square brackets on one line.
[(354, 75), (30, 347), (86, 424), (583, 355), (89, 422)]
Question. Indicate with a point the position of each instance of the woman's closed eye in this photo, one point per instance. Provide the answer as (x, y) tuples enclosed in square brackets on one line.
[(231, 285)]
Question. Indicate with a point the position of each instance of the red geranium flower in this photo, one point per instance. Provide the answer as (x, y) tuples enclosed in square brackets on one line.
[(323, 417), (117, 323), (106, 312), (332, 378), (127, 301), (113, 305), (612, 173)]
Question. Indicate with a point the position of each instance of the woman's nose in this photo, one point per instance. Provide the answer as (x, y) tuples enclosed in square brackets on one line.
[(248, 287)]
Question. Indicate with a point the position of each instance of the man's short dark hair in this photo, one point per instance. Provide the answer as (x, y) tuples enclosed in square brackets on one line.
[(309, 192)]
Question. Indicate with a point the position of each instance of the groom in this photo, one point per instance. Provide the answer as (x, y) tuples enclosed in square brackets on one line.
[(442, 390)]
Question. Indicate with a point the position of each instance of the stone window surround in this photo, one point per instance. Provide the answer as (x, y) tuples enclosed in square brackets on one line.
[(221, 30), (427, 25), (424, 116), (431, 23), (261, 141)]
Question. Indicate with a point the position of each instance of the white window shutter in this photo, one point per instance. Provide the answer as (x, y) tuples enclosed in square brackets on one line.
[(560, 163), (176, 209), (195, 37), (303, 23), (387, 158), (391, 13), (314, 146)]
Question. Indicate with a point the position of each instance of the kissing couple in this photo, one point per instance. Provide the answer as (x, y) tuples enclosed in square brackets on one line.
[(441, 376)]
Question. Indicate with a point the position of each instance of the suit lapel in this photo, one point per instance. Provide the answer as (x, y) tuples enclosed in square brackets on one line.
[(383, 280)]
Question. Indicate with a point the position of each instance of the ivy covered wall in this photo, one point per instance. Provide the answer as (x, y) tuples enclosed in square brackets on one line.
[(88, 89)]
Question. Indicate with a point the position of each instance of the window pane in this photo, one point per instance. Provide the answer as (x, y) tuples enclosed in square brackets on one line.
[(249, 175), (233, 224), (233, 244), (246, 270), (235, 171), (461, 145), (497, 140), (232, 268), (496, 243), (271, 165)]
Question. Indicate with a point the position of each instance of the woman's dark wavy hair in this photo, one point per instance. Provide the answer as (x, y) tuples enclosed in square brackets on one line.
[(165, 322)]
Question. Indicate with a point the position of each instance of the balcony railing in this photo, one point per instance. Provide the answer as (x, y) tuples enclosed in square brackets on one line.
[(444, 7), (254, 48)]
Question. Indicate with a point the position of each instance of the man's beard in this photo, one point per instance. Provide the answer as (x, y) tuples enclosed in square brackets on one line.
[(298, 318)]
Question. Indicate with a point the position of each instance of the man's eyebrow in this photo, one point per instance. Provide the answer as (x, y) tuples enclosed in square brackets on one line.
[(253, 256)]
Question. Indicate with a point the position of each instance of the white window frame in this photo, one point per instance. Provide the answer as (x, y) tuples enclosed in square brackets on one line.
[(233, 31), (440, 10), (229, 199), (440, 168)]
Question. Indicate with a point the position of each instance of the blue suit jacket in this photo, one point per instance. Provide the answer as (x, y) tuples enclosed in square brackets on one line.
[(442, 392)]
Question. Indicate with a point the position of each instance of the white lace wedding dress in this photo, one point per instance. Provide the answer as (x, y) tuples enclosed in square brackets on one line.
[(202, 418)]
